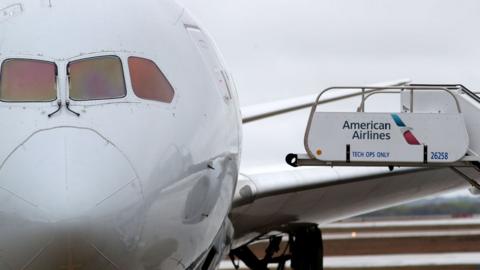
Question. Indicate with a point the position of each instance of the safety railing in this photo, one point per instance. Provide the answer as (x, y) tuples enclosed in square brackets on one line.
[(461, 87), (365, 92)]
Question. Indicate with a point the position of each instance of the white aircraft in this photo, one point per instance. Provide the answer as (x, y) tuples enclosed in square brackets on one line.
[(121, 136)]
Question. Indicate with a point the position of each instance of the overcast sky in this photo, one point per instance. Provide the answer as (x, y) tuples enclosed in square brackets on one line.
[(278, 49)]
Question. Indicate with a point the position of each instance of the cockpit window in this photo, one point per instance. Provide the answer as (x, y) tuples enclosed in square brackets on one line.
[(148, 81), (25, 80), (96, 78)]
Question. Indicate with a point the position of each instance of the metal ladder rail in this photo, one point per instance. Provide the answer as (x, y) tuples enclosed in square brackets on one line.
[(366, 92), (470, 93)]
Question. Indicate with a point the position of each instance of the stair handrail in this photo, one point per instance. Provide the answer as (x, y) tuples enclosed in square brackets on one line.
[(463, 89), (366, 90)]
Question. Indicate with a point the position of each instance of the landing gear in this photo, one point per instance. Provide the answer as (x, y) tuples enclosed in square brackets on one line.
[(304, 250), (307, 248)]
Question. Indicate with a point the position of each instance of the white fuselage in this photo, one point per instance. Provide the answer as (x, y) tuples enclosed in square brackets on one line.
[(131, 184)]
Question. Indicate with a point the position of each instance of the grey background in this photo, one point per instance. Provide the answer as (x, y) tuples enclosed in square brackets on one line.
[(279, 49)]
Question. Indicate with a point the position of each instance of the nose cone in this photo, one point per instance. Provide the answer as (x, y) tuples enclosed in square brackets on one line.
[(68, 200)]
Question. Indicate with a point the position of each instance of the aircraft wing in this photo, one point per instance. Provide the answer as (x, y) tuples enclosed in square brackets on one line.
[(267, 201), (262, 111)]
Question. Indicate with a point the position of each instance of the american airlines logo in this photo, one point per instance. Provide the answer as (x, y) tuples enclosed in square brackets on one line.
[(406, 131)]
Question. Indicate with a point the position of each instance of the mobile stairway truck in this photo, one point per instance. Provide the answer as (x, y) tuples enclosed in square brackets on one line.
[(436, 126)]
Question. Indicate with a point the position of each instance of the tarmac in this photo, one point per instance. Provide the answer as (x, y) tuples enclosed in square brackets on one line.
[(438, 244)]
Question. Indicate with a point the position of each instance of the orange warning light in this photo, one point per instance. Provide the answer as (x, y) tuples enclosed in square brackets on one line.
[(319, 152)]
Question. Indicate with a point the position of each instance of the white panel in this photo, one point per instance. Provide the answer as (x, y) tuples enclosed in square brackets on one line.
[(429, 102), (384, 137)]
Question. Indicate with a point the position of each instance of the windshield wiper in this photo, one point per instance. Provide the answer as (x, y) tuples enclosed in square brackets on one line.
[(67, 103), (59, 104)]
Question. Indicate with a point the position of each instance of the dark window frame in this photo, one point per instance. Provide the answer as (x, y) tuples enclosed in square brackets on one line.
[(98, 99), (6, 60), (159, 70)]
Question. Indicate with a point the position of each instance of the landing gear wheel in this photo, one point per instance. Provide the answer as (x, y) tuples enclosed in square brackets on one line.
[(306, 247)]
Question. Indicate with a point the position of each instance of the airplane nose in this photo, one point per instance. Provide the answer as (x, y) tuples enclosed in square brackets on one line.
[(69, 199)]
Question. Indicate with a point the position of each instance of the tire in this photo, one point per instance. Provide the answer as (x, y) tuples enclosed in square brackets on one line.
[(307, 249)]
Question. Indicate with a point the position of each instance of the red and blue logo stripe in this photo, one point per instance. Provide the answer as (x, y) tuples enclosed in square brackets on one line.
[(406, 131)]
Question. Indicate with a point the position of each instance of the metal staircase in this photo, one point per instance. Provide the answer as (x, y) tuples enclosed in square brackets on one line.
[(433, 126)]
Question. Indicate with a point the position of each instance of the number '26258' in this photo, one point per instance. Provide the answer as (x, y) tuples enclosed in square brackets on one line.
[(439, 155)]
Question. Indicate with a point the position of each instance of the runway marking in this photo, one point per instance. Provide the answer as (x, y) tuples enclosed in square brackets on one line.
[(36, 255)]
